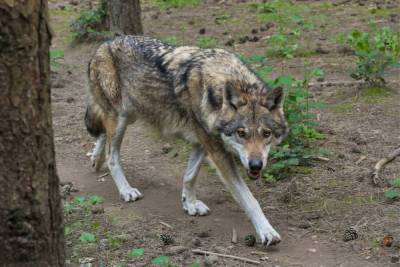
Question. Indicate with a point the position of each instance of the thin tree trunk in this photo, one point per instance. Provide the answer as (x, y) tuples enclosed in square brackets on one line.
[(31, 231), (124, 17)]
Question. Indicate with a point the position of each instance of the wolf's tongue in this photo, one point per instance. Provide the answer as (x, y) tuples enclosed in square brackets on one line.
[(253, 174)]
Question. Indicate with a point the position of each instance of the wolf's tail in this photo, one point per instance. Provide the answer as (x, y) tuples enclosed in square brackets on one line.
[(94, 112), (93, 120)]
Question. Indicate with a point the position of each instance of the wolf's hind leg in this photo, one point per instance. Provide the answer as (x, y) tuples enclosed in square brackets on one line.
[(97, 156), (115, 132), (190, 203)]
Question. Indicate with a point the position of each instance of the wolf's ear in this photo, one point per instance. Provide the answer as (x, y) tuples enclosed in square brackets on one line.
[(274, 99), (231, 97)]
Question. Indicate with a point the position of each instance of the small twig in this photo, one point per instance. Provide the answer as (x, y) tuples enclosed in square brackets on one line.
[(103, 175), (376, 179), (203, 252), (234, 236), (166, 224), (322, 158), (362, 158), (311, 84)]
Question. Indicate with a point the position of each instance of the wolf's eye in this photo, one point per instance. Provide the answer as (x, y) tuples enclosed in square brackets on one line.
[(241, 132), (266, 133)]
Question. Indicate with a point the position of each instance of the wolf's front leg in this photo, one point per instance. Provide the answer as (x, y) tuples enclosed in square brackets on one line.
[(190, 203), (231, 178)]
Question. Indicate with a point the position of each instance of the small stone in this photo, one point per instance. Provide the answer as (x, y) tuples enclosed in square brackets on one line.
[(210, 260), (394, 258), (355, 150), (57, 84), (320, 50), (166, 148), (74, 2), (250, 240), (230, 42), (176, 250), (203, 234), (346, 50), (312, 250), (202, 31), (254, 39), (104, 244), (70, 99), (304, 225), (97, 209), (86, 260), (243, 39), (313, 216), (196, 242)]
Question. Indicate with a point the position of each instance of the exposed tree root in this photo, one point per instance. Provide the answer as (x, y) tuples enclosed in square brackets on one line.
[(376, 179)]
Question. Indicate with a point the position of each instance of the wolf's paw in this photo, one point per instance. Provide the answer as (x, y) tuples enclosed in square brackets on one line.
[(130, 194), (196, 207), (96, 160), (269, 237)]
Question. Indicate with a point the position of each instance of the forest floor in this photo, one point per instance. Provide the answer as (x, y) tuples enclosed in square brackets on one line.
[(324, 200)]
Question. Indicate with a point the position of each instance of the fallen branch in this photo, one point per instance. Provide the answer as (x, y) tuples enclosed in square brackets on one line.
[(166, 224), (335, 83), (361, 159), (203, 252), (376, 179)]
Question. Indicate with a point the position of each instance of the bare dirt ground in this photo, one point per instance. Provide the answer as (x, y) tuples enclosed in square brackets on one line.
[(323, 202)]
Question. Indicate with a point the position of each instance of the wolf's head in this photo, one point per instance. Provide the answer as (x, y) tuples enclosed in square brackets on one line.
[(250, 120)]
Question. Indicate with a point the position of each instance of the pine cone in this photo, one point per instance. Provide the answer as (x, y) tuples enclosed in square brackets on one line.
[(166, 239), (250, 240), (350, 234)]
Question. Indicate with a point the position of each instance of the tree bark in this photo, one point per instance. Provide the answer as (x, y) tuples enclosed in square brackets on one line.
[(124, 17), (31, 232)]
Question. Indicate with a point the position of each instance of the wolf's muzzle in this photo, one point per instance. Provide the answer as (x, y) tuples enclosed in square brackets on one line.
[(255, 168)]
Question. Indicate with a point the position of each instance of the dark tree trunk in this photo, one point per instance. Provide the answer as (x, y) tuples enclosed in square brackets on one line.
[(31, 231), (124, 16)]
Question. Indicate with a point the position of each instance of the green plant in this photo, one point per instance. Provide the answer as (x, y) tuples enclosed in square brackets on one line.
[(90, 22), (56, 54), (376, 51), (87, 237), (161, 261), (134, 253), (296, 150), (171, 40), (164, 4), (206, 42), (394, 192), (287, 14), (282, 44)]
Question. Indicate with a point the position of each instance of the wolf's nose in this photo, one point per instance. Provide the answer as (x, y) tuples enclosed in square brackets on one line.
[(255, 165)]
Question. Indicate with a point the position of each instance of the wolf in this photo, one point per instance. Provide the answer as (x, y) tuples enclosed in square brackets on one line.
[(206, 96)]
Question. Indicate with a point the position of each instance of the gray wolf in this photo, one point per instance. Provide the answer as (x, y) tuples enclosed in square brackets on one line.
[(206, 96)]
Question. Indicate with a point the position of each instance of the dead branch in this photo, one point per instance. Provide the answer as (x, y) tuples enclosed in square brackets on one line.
[(376, 179), (166, 224), (203, 252)]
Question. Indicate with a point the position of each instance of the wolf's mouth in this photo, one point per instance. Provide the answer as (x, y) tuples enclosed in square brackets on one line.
[(254, 175)]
